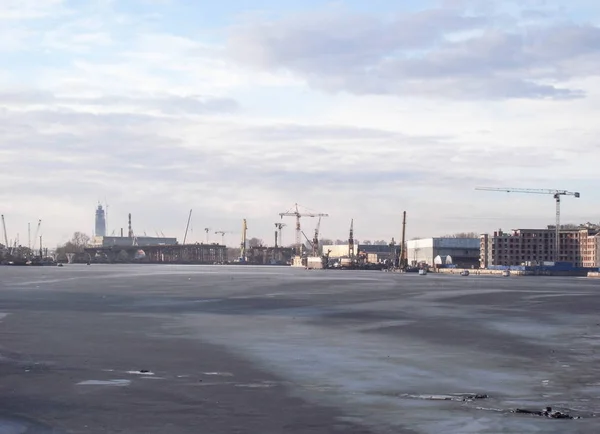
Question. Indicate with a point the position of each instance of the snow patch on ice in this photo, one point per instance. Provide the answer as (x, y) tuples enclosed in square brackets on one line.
[(104, 383)]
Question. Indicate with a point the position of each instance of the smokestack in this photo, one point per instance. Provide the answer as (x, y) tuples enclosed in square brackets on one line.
[(130, 235), (121, 232), (275, 239)]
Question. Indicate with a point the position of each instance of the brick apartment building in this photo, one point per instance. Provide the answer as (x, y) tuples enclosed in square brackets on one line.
[(535, 246)]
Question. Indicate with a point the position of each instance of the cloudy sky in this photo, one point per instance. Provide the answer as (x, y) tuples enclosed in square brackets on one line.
[(239, 109)]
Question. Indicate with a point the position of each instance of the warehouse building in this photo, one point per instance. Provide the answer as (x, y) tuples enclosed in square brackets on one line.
[(463, 252)]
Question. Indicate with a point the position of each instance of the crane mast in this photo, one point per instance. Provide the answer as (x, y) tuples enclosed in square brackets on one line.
[(279, 227), (187, 227), (556, 194)]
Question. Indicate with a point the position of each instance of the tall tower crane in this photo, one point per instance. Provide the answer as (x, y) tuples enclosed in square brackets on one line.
[(294, 212), (555, 193), (207, 237), (279, 227)]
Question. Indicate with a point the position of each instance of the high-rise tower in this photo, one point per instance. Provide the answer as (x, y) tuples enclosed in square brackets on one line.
[(100, 222)]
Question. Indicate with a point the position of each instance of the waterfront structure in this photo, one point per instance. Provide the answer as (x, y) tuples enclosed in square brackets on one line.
[(159, 254), (132, 241), (100, 227), (464, 252), (579, 247), (371, 252)]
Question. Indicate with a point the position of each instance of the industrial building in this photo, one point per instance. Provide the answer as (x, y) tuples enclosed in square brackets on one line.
[(370, 252), (579, 247), (462, 252), (132, 241)]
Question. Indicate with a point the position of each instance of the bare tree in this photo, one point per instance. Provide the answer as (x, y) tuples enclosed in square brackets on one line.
[(80, 239), (77, 244), (255, 242), (381, 243), (463, 235)]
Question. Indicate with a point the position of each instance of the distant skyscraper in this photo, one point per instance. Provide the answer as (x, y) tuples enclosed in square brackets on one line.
[(100, 222)]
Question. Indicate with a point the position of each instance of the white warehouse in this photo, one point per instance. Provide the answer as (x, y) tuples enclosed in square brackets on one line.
[(463, 251)]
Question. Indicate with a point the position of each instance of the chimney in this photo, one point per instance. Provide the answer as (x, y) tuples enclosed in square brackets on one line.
[(130, 233), (121, 232)]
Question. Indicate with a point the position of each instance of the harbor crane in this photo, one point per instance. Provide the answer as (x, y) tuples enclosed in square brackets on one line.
[(315, 243), (222, 233), (187, 227), (279, 227), (295, 212), (555, 193)]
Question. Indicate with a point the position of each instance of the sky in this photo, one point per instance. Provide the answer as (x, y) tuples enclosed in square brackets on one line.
[(238, 109)]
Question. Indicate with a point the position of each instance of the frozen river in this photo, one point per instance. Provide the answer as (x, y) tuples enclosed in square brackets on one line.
[(201, 349)]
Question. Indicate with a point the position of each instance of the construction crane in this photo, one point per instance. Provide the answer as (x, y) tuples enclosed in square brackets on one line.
[(222, 236), (207, 238), (555, 193), (5, 235), (310, 243), (187, 227), (294, 212), (279, 227), (315, 243)]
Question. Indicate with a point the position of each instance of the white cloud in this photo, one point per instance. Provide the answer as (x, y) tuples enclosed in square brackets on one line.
[(159, 121), (420, 54), (30, 9)]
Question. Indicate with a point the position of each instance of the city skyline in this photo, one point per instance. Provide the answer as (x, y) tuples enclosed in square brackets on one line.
[(163, 106)]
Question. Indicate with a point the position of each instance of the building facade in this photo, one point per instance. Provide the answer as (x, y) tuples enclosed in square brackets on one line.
[(579, 247), (463, 251)]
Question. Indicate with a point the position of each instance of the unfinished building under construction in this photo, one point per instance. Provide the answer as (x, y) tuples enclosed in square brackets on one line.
[(160, 254)]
